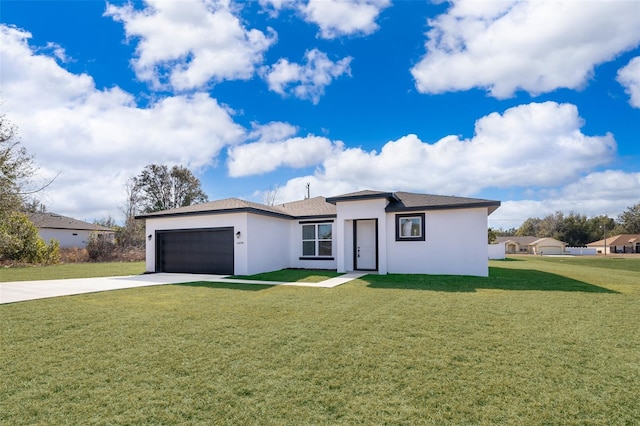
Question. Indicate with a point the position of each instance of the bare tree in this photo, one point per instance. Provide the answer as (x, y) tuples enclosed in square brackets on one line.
[(270, 196)]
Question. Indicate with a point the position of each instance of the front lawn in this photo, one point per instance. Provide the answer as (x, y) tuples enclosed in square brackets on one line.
[(538, 342), (71, 270), (292, 275)]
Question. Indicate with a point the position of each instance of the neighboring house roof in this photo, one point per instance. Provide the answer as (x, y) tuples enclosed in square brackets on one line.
[(56, 221), (617, 240), (526, 240), (523, 241), (325, 207)]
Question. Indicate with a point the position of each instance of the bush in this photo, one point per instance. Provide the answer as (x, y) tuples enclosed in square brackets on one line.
[(101, 249), (20, 242)]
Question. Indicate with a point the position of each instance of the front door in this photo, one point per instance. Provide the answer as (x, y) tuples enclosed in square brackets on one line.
[(366, 245)]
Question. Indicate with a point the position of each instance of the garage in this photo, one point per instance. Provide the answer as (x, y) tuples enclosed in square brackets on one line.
[(196, 251)]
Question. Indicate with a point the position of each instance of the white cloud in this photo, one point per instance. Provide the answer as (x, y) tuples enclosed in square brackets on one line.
[(99, 138), (338, 18), (305, 81), (276, 147), (191, 43), (535, 46), (629, 77), (534, 145), (600, 193)]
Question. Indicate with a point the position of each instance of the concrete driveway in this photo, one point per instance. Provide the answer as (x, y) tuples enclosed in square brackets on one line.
[(31, 290)]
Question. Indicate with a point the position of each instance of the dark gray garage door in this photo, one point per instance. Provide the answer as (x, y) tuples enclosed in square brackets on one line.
[(197, 251)]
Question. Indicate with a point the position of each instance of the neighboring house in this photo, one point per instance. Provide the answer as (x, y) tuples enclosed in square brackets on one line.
[(623, 243), (386, 232), (531, 245), (68, 231)]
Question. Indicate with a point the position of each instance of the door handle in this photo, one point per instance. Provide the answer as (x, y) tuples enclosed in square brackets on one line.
[(358, 251)]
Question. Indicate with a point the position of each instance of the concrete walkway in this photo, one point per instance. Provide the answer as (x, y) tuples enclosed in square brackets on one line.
[(20, 291)]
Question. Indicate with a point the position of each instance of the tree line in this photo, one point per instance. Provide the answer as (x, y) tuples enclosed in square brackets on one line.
[(576, 229)]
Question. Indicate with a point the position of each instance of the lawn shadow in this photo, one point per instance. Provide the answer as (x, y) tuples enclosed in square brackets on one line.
[(498, 279), (226, 285)]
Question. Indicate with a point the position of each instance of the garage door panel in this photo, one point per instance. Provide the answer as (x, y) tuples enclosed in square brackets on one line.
[(205, 251)]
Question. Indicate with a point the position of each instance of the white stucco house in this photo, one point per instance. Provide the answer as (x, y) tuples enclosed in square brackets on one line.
[(385, 232), (68, 231)]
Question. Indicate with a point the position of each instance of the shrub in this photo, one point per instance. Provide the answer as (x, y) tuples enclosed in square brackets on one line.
[(101, 249), (20, 241)]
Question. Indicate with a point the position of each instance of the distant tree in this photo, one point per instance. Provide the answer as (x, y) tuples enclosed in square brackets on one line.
[(506, 232), (491, 235), (270, 196), (160, 188), (530, 227), (599, 226), (574, 230), (132, 233), (34, 206), (16, 167), (630, 220)]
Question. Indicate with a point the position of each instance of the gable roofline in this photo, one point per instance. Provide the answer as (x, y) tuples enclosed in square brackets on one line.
[(361, 195), (50, 220), (304, 209)]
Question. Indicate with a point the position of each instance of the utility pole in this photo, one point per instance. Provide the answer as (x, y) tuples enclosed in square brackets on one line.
[(604, 234), (308, 191)]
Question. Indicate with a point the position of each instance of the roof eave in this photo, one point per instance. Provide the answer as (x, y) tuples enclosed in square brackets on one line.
[(491, 205), (387, 195), (221, 211)]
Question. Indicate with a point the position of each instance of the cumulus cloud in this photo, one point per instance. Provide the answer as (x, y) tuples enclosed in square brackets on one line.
[(338, 18), (306, 81), (609, 192), (99, 138), (191, 43), (533, 46), (534, 145), (629, 77), (276, 147)]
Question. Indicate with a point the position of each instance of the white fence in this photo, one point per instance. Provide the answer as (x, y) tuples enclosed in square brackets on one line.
[(496, 251), (581, 251)]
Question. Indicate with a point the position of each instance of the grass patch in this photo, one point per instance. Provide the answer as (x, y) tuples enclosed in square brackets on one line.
[(71, 270), (360, 353), (292, 275)]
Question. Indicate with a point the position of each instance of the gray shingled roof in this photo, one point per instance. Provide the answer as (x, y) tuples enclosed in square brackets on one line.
[(325, 207), (404, 201), (523, 241), (56, 221), (228, 205)]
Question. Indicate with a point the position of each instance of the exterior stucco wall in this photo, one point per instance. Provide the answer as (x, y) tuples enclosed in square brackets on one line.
[(267, 243), (354, 210), (66, 237), (237, 220), (455, 244)]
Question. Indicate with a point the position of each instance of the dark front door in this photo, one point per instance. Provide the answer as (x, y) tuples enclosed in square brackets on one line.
[(198, 251)]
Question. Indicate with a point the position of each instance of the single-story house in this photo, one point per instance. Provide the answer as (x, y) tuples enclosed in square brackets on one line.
[(531, 245), (68, 231), (385, 232), (623, 243)]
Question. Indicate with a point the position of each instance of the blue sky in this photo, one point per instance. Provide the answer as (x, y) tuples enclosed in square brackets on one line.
[(535, 104)]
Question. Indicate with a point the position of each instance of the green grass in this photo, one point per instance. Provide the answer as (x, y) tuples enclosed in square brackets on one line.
[(71, 270), (538, 342), (292, 275)]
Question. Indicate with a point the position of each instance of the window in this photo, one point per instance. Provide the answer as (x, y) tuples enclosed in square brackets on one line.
[(410, 227), (317, 239)]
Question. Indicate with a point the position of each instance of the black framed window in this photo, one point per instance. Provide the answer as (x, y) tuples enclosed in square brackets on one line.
[(410, 227), (317, 239)]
